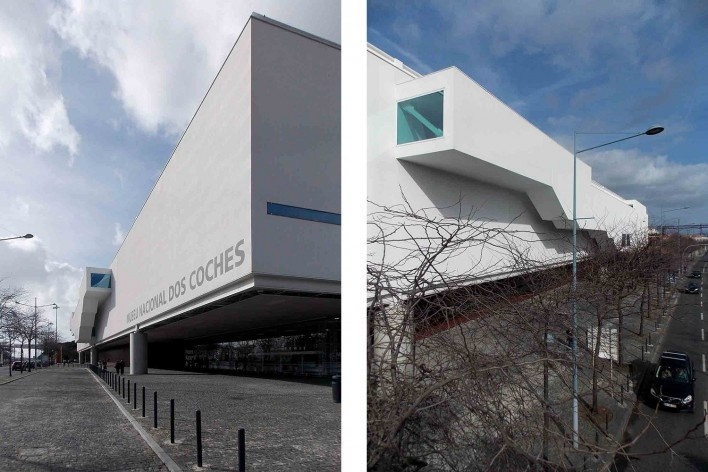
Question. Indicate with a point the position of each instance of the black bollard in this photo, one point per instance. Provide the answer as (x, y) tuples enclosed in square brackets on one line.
[(337, 388), (135, 396), (154, 409), (143, 402), (199, 438), (129, 391), (123, 388), (241, 450), (172, 421)]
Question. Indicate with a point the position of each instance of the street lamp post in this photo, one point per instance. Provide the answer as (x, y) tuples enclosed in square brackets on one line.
[(26, 236), (56, 325), (678, 231), (34, 320), (649, 132)]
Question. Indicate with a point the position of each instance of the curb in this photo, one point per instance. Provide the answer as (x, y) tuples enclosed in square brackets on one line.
[(149, 440), (19, 378)]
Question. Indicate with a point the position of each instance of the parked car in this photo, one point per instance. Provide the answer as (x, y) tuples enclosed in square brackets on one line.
[(696, 274), (672, 385), (692, 288), (17, 365)]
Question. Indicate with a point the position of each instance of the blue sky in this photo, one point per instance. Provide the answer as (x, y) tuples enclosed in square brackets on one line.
[(585, 66), (94, 95)]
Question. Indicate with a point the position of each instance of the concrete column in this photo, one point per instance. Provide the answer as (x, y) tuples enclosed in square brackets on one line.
[(138, 353), (94, 355)]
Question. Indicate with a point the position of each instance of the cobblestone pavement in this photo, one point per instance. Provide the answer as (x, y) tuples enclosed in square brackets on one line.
[(62, 420), (289, 425)]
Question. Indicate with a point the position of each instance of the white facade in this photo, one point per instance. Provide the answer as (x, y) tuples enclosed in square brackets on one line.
[(478, 150), (210, 251)]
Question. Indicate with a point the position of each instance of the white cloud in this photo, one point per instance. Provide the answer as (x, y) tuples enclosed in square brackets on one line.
[(119, 235), (164, 55), (574, 34), (40, 276), (30, 97), (23, 208), (653, 180)]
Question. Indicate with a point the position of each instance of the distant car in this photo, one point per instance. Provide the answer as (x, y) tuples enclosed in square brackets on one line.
[(692, 288), (672, 385), (17, 365), (696, 274)]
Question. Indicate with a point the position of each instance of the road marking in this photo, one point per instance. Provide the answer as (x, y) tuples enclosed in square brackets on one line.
[(703, 335), (704, 362), (705, 423)]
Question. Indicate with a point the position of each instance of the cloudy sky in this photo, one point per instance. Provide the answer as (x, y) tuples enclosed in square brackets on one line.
[(94, 96), (586, 66)]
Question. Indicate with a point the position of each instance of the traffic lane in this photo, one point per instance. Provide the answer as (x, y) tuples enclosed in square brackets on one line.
[(657, 449), (659, 430)]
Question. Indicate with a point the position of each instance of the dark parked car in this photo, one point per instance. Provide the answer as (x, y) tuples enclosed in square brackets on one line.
[(17, 365), (692, 288), (672, 385), (696, 274)]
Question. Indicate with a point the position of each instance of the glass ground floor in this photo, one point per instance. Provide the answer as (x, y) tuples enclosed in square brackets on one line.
[(315, 352)]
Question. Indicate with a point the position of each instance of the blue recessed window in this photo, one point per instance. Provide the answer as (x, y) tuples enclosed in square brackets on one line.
[(304, 213), (101, 280), (420, 118)]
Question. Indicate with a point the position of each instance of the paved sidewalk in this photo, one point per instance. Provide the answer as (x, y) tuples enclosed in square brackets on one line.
[(56, 419), (64, 419), (289, 425)]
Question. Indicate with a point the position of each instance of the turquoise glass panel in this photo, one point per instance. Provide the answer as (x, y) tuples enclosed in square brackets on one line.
[(101, 280), (420, 118)]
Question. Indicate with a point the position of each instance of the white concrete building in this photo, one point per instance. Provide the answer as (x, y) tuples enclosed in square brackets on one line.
[(239, 240), (440, 138)]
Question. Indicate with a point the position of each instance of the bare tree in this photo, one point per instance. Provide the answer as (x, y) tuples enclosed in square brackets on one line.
[(434, 338), (469, 364), (11, 319)]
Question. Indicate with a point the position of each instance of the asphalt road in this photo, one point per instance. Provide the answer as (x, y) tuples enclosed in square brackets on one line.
[(669, 440)]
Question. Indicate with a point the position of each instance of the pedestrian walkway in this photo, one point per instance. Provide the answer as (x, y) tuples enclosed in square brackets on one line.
[(288, 425), (61, 419)]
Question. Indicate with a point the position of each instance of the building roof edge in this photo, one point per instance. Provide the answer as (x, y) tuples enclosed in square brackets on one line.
[(292, 29)]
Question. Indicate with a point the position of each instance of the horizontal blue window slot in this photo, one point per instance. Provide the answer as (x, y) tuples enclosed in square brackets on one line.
[(304, 214)]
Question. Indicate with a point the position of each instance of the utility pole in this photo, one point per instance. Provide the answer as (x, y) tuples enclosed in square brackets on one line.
[(56, 324)]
